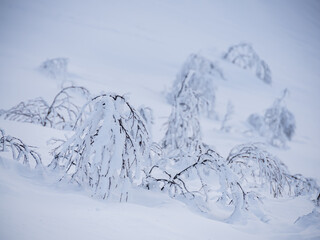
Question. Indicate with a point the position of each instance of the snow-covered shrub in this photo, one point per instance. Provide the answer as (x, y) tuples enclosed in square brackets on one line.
[(55, 68), (278, 123), (195, 182), (20, 151), (257, 122), (31, 111), (244, 56), (62, 113), (183, 134), (258, 169), (108, 152), (201, 74), (225, 126)]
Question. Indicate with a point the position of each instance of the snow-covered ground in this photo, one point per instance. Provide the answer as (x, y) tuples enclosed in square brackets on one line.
[(137, 48)]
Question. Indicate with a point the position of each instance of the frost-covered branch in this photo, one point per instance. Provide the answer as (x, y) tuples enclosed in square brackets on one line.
[(20, 151), (62, 113), (257, 168), (64, 110)]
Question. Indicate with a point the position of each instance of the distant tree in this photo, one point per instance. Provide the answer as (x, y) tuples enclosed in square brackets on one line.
[(201, 74), (55, 68), (20, 151), (278, 123), (244, 56), (227, 117), (183, 134), (108, 152)]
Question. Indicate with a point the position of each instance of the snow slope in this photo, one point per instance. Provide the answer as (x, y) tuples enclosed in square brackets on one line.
[(137, 47)]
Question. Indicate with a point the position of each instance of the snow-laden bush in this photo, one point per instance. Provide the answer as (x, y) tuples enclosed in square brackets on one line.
[(205, 181), (278, 123), (109, 151), (189, 168), (201, 74), (20, 151), (62, 113), (225, 125), (183, 134), (31, 111), (244, 56), (55, 68), (258, 169)]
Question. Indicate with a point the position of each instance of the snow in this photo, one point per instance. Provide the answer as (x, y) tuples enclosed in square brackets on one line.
[(137, 48)]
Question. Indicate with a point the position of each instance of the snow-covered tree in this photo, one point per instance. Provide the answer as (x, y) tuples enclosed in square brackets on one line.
[(258, 169), (201, 73), (183, 134), (196, 182), (62, 113), (55, 68), (109, 151), (31, 111), (244, 56), (225, 126), (278, 123), (20, 151)]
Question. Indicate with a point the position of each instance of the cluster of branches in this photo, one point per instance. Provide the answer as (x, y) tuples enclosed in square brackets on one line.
[(195, 181), (62, 113), (201, 74), (278, 123), (244, 56), (257, 168), (188, 166), (108, 151), (20, 151)]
